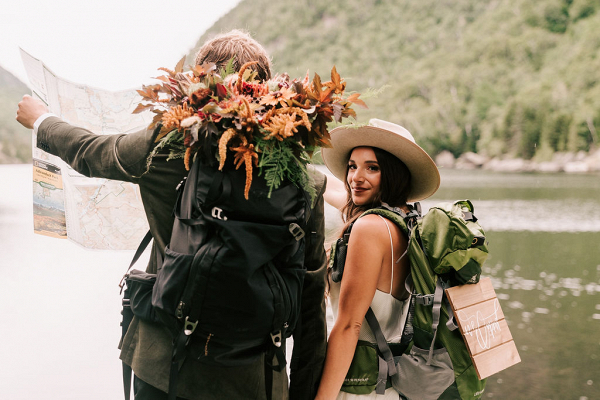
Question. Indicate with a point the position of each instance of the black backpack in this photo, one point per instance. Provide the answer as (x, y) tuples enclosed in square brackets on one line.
[(230, 285)]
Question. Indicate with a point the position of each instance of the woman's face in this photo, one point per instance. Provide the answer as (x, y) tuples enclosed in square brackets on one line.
[(364, 176)]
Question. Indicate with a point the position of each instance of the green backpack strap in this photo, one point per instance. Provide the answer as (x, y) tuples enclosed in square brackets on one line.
[(407, 222), (435, 299), (396, 215), (337, 258)]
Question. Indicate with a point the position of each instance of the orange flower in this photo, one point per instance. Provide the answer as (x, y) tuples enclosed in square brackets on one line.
[(187, 158), (285, 122), (279, 97), (172, 118), (246, 155), (223, 141)]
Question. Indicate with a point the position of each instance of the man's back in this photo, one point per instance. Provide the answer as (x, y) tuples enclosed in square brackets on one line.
[(147, 347)]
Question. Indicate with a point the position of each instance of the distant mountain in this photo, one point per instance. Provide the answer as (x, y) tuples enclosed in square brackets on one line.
[(15, 141), (499, 77)]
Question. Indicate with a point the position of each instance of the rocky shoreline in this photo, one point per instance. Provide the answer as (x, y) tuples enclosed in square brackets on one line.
[(580, 162)]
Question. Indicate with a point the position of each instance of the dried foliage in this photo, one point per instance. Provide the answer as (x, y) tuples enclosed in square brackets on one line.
[(275, 124)]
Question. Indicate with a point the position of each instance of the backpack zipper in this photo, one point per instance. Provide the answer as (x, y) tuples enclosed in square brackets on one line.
[(206, 344), (179, 310)]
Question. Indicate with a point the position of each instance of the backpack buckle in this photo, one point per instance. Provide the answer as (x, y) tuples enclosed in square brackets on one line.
[(122, 283), (189, 327), (423, 299), (296, 231), (276, 338), (217, 213)]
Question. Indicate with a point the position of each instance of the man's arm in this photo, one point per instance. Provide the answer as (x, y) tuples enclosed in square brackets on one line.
[(121, 157), (310, 340)]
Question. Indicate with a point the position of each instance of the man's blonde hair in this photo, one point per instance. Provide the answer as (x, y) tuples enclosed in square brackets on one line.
[(240, 46)]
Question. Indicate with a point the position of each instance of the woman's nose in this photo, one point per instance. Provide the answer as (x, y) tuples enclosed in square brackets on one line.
[(358, 175)]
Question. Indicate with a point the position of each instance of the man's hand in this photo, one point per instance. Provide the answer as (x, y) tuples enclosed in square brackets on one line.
[(30, 110)]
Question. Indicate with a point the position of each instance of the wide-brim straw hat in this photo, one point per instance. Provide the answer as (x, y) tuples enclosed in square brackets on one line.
[(396, 140)]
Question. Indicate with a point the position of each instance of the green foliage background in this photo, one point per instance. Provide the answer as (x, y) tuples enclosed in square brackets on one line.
[(499, 77), (516, 78), (15, 141)]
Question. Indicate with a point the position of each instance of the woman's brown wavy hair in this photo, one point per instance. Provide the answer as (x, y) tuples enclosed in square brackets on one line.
[(395, 188)]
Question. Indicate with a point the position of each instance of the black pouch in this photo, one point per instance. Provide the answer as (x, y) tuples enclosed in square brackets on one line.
[(138, 292), (338, 251)]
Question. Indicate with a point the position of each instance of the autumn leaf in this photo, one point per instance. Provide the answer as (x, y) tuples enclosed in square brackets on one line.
[(337, 84), (149, 93), (353, 98), (197, 70), (162, 78), (144, 94), (163, 132), (337, 112), (348, 112), (317, 85), (166, 88), (179, 66), (155, 121), (320, 136), (154, 88), (143, 107), (335, 77), (203, 69), (326, 95), (168, 71)]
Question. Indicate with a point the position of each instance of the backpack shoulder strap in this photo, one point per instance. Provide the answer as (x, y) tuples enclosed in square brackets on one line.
[(392, 215)]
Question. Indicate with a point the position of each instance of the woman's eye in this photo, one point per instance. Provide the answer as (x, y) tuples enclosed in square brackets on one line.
[(351, 166), (374, 168)]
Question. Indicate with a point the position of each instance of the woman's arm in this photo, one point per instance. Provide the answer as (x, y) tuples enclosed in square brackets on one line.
[(335, 192), (366, 250)]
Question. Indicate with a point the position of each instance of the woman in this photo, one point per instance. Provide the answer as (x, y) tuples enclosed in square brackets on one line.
[(380, 163)]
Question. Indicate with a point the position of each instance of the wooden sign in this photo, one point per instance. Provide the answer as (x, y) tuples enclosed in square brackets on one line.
[(481, 322)]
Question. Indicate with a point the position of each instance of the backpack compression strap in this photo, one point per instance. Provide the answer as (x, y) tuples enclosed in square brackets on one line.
[(387, 367)]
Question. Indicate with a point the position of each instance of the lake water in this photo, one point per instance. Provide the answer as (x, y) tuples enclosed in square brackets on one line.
[(60, 303)]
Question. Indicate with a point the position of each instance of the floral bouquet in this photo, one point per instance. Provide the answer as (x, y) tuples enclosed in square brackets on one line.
[(274, 125)]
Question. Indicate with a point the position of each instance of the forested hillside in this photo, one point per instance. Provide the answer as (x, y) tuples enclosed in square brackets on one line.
[(519, 78), (15, 141)]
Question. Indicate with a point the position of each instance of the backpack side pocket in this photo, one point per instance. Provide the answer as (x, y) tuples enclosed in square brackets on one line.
[(139, 293), (416, 379), (171, 281), (361, 377)]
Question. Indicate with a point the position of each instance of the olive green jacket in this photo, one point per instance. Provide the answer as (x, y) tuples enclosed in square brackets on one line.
[(147, 347)]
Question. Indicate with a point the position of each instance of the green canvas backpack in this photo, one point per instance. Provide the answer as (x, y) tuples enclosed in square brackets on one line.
[(447, 247)]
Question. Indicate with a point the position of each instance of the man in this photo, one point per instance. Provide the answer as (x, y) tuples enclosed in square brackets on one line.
[(147, 347)]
